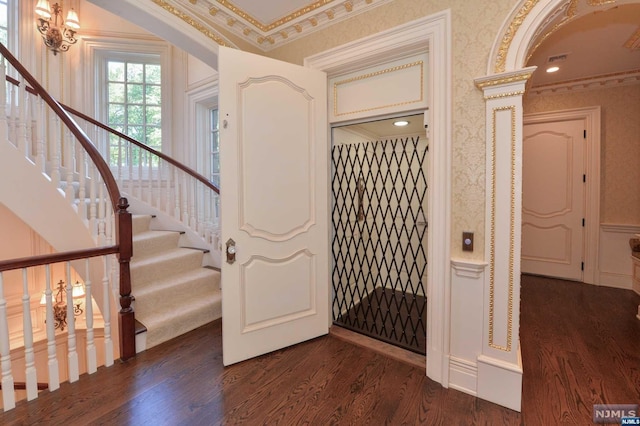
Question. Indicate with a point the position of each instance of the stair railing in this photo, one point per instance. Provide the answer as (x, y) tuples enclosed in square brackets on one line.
[(37, 125), (158, 180)]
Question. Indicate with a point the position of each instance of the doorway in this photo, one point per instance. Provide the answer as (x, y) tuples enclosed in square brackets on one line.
[(379, 224)]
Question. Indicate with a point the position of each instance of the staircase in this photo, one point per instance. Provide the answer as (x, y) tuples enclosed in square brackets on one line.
[(173, 292)]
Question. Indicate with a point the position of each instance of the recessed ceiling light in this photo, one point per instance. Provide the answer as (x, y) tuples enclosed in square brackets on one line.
[(400, 123), (552, 69)]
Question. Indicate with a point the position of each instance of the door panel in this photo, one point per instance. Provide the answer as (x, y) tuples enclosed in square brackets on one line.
[(553, 199), (274, 166)]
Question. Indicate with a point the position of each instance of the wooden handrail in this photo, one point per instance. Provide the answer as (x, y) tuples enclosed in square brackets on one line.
[(119, 204), (45, 259), (129, 139), (94, 154)]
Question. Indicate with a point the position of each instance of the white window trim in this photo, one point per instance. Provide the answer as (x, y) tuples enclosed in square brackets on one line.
[(199, 102), (96, 50)]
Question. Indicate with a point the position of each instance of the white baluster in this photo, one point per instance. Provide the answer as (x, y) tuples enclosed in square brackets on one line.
[(21, 121), (159, 196), (13, 113), (109, 223), (92, 363), (192, 191), (69, 164), (185, 199), (52, 356), (130, 167), (8, 394), (93, 209), (101, 214), (106, 314), (55, 146), (29, 358), (72, 353), (140, 171), (176, 195), (168, 185), (82, 185), (4, 129), (149, 178), (39, 136)]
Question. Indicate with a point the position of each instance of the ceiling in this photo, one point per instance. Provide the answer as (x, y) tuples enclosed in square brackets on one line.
[(592, 42), (587, 39), (267, 24), (381, 129)]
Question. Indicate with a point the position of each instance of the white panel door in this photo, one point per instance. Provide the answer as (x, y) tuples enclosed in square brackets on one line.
[(274, 180), (553, 199)]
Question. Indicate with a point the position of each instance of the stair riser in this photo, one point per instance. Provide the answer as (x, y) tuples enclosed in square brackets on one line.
[(160, 242), (151, 270), (187, 321), (140, 223), (152, 296)]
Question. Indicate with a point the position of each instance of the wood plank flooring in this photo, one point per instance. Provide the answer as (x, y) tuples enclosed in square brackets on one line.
[(580, 346)]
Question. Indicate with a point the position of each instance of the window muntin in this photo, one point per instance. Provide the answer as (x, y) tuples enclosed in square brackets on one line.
[(134, 105)]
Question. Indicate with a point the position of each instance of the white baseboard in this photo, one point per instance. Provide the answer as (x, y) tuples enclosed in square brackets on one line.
[(610, 279), (500, 382), (463, 375)]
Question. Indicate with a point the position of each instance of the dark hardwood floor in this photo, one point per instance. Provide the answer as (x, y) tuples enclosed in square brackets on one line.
[(580, 346)]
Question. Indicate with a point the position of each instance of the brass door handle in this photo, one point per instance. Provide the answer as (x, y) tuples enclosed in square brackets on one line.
[(231, 251)]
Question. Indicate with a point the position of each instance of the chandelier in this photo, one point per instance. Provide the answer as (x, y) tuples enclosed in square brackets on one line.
[(56, 33)]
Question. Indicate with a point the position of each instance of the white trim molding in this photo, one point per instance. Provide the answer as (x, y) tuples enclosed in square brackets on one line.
[(616, 263), (467, 286), (431, 35), (501, 313), (591, 117)]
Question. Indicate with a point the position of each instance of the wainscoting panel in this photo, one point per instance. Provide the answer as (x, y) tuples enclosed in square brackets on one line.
[(616, 266)]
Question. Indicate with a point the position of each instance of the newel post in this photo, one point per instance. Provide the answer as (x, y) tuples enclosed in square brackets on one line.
[(126, 319)]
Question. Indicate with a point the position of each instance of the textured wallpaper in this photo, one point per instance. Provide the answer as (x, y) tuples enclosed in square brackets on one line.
[(620, 145), (475, 25)]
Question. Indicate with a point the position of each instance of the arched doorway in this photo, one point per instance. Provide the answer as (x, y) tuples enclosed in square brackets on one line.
[(503, 88)]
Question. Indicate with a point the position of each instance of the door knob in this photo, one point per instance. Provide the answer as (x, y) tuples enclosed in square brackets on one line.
[(231, 251)]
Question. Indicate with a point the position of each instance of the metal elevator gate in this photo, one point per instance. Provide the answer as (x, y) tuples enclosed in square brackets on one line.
[(378, 244)]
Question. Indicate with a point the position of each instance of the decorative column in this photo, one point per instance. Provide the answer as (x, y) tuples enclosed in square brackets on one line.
[(499, 364)]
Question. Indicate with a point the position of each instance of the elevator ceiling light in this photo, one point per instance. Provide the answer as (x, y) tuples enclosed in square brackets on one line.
[(552, 69), (400, 123)]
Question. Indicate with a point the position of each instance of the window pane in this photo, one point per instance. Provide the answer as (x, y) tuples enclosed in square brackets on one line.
[(135, 93), (154, 137), (154, 115), (134, 105), (135, 114), (116, 71), (116, 114), (153, 74), (134, 73), (153, 96), (116, 92), (136, 132)]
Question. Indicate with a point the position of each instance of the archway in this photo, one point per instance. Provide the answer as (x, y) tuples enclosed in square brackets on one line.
[(499, 365)]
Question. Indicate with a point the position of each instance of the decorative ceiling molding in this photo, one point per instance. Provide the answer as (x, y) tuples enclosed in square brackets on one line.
[(227, 15), (591, 83)]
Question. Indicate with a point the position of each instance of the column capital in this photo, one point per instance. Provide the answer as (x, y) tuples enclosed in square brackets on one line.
[(500, 84)]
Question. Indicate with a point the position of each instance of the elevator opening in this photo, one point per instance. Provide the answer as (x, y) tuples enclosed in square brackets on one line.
[(379, 223)]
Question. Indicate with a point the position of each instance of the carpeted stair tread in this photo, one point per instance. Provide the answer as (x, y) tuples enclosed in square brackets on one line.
[(162, 264), (147, 243), (184, 282), (173, 293), (191, 313)]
